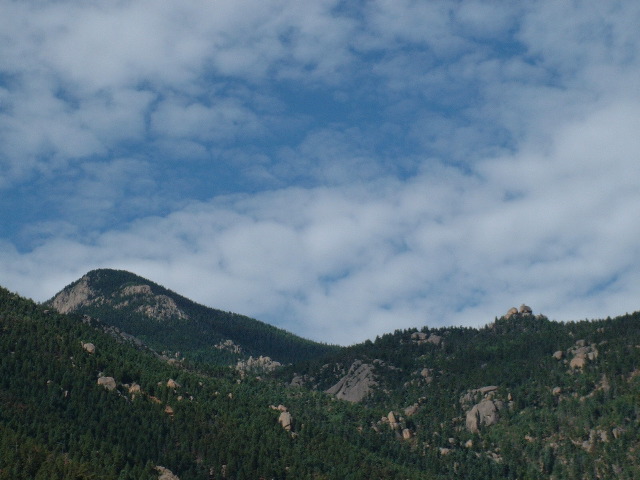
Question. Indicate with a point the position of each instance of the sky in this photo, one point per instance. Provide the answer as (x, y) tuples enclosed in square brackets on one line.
[(338, 169)]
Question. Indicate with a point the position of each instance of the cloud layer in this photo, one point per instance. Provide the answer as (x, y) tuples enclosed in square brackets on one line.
[(340, 171)]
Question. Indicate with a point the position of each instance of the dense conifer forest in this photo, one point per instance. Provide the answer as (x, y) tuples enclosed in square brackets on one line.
[(523, 397)]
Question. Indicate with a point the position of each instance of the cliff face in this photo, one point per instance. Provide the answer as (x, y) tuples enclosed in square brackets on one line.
[(74, 297), (356, 384)]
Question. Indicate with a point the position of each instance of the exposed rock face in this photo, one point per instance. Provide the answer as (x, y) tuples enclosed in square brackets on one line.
[(422, 338), (89, 347), (166, 474), (356, 384), (483, 413), (582, 353), (81, 294), (107, 382), (137, 290), (171, 383), (411, 410), (512, 311), (160, 307), (260, 364), (229, 346), (286, 420), (525, 310)]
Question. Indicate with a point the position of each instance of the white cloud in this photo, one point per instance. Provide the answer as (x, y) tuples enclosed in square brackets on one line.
[(514, 129), (344, 264)]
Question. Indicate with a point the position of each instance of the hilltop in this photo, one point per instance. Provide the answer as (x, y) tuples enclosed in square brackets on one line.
[(178, 327)]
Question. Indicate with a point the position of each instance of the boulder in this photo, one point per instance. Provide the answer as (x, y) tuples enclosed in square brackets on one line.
[(392, 418), (286, 420), (107, 382), (578, 362), (89, 347), (171, 383), (411, 410), (558, 355), (484, 413), (512, 311), (525, 310), (407, 434)]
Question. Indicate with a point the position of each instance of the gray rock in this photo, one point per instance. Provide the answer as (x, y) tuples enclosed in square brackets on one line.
[(484, 413), (286, 420), (107, 382), (356, 384), (525, 309), (512, 311)]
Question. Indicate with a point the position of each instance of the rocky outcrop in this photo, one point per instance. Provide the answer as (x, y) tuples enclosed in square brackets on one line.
[(485, 409), (77, 296), (89, 347), (166, 474), (228, 346), (159, 307), (512, 311), (260, 364), (286, 420), (485, 413), (107, 382), (581, 354), (171, 383), (525, 310), (356, 384), (421, 338)]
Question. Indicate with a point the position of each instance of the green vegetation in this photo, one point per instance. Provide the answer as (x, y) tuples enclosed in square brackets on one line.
[(566, 398), (177, 324)]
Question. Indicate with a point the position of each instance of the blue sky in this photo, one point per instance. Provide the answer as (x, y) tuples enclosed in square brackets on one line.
[(339, 169)]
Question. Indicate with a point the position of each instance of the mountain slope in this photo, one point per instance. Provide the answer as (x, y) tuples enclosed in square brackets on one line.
[(532, 397), (171, 323), (76, 403)]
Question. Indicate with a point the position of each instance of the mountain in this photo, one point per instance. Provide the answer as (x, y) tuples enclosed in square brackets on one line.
[(522, 397), (534, 397), (178, 327), (78, 403)]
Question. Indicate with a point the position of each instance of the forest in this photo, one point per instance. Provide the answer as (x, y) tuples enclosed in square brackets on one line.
[(80, 401)]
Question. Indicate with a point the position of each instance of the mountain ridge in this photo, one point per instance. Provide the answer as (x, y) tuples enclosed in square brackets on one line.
[(172, 323)]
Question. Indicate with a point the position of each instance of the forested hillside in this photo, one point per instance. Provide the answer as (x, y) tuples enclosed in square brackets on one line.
[(76, 403), (171, 323), (523, 397), (537, 398)]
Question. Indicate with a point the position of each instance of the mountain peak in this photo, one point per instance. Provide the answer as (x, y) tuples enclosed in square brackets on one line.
[(169, 322)]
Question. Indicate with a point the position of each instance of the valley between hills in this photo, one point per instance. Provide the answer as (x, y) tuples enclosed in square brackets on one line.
[(117, 377)]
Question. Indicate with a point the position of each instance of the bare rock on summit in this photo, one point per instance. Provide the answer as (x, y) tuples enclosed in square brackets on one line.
[(512, 311), (356, 384), (525, 310), (81, 294)]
